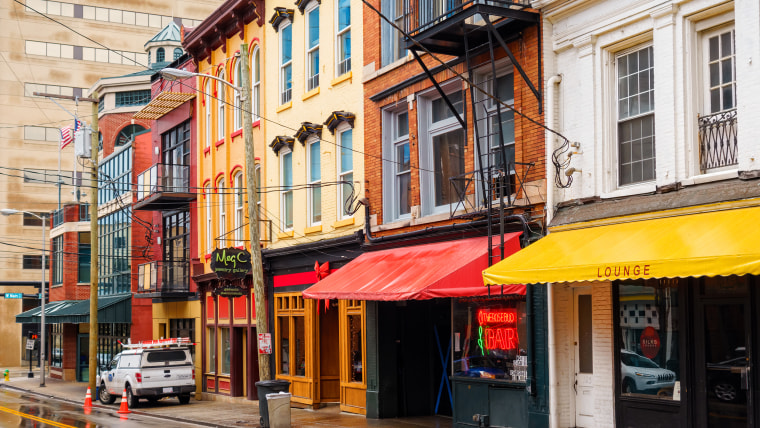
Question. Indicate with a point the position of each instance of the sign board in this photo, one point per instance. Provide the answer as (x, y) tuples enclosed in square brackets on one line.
[(231, 263), (650, 342), (229, 291), (29, 345), (14, 295), (265, 343)]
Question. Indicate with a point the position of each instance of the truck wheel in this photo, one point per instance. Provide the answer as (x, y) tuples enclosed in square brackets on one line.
[(132, 400), (184, 399), (104, 396)]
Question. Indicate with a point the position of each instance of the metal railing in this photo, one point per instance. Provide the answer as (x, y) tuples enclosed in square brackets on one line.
[(163, 178), (163, 277), (507, 183), (718, 145), (424, 14), (82, 215)]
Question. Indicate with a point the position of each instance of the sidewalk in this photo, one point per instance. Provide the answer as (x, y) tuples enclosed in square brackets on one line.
[(231, 412)]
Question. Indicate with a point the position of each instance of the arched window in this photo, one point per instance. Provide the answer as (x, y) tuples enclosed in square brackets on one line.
[(209, 220), (255, 83), (221, 201), (220, 123), (208, 94), (160, 56), (177, 53), (238, 110), (239, 212), (127, 134)]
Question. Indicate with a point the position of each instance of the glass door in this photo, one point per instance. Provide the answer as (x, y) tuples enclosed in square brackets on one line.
[(723, 364), (83, 360)]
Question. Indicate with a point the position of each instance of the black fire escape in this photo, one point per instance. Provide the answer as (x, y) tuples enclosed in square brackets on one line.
[(478, 32)]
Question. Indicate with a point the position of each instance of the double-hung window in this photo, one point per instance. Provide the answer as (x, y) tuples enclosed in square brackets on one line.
[(286, 183), (239, 214), (345, 170), (312, 46), (209, 219), (256, 83), (635, 126), (392, 40), (286, 62), (442, 152), (314, 175), (344, 37), (718, 121), (237, 104), (220, 102), (502, 151), (222, 211), (209, 93), (397, 173)]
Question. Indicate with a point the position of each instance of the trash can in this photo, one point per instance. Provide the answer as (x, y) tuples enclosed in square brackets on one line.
[(278, 408), (265, 387)]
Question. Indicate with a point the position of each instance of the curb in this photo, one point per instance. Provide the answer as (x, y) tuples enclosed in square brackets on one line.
[(113, 410)]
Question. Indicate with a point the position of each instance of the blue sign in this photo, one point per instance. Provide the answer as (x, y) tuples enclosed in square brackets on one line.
[(14, 295)]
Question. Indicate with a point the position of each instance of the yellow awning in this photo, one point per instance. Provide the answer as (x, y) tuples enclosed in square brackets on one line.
[(722, 242)]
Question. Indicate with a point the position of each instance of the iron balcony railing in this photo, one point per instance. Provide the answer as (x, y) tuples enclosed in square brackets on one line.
[(424, 14), (718, 145), (163, 277), (163, 178), (505, 185)]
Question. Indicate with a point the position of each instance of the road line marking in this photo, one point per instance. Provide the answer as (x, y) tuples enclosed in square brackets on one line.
[(35, 418)]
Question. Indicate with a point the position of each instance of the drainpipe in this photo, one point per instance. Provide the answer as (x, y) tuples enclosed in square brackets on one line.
[(549, 208)]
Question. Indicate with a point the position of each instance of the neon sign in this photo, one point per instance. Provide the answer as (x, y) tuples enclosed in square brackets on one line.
[(497, 329)]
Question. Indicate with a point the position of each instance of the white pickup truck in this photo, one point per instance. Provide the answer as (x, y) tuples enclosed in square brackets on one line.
[(150, 373)]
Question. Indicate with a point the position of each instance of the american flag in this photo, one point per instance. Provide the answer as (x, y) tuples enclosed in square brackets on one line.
[(67, 136)]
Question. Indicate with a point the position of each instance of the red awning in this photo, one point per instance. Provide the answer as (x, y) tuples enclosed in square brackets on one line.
[(443, 269)]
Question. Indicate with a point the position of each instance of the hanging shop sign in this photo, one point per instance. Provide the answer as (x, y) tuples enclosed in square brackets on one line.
[(650, 342), (230, 263), (497, 329)]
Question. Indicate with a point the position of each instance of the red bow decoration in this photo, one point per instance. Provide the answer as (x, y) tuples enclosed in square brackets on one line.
[(322, 272)]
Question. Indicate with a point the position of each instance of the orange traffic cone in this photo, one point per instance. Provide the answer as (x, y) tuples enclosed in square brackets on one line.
[(88, 398), (124, 408)]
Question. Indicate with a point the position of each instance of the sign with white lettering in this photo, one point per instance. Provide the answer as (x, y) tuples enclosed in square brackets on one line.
[(265, 343), (14, 295)]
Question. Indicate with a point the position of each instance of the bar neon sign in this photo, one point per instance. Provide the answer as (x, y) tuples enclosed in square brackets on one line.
[(497, 329)]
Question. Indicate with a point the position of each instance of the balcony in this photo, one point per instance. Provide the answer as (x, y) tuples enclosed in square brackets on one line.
[(63, 215), (164, 279), (718, 145), (500, 185), (164, 187), (452, 27)]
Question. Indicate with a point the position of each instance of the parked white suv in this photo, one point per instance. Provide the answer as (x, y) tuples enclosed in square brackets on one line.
[(642, 375), (148, 372)]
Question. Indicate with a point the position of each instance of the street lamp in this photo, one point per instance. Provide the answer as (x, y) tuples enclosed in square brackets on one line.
[(9, 211), (250, 171)]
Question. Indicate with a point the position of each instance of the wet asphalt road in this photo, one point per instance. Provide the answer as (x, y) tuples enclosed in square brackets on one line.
[(19, 409)]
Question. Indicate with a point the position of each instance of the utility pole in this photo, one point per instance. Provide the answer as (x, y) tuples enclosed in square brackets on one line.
[(93, 348), (257, 273), (94, 247)]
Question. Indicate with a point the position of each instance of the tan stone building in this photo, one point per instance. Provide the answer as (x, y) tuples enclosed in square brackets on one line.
[(41, 55)]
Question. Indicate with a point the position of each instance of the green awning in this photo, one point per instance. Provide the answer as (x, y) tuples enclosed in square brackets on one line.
[(111, 309)]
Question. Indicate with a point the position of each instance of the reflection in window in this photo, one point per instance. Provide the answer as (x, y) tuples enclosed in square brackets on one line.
[(211, 351), (225, 344), (649, 354), (355, 347), (488, 335), (300, 351), (284, 345), (56, 349)]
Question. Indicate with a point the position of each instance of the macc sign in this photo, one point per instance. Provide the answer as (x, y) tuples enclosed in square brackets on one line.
[(231, 263)]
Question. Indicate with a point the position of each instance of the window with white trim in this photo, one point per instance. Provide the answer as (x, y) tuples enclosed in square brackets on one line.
[(209, 93), (222, 212), (256, 83), (286, 195), (237, 104), (392, 40), (312, 45), (239, 212), (441, 149), (314, 178), (635, 124), (286, 62), (209, 220), (397, 176), (343, 34), (344, 135), (220, 102)]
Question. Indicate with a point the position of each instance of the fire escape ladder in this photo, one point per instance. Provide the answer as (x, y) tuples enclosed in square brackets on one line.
[(440, 91)]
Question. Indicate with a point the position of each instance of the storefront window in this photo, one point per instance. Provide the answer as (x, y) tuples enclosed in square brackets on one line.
[(355, 346), (300, 346), (490, 338), (56, 348), (649, 353), (211, 351), (291, 334), (284, 345), (225, 336)]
